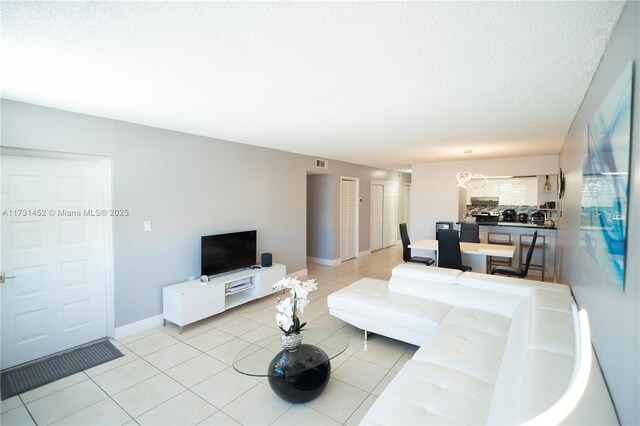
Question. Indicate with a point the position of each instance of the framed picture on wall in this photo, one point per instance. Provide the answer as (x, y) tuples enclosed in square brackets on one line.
[(605, 180)]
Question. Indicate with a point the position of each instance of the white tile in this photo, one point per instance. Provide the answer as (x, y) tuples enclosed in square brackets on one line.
[(183, 409), (114, 381), (105, 412), (146, 395), (65, 402), (300, 414), (219, 319), (127, 357), (362, 374), (17, 417), (188, 331), (224, 387), (257, 406), (151, 344), (138, 336), (359, 414), (239, 326), (209, 340), (228, 351), (338, 400), (52, 387), (382, 351), (10, 403), (384, 383), (403, 360), (195, 370), (219, 419), (260, 333), (172, 356), (264, 316)]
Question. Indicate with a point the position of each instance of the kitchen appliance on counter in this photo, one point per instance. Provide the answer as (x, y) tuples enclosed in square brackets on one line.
[(523, 217), (486, 216), (509, 215), (538, 217), (483, 209)]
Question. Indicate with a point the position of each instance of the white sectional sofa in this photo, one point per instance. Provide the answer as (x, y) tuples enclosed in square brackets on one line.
[(493, 350)]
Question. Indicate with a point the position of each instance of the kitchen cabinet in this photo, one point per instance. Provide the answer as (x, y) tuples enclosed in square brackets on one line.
[(515, 191)]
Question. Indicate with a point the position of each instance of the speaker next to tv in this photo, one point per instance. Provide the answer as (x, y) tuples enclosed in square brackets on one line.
[(266, 260)]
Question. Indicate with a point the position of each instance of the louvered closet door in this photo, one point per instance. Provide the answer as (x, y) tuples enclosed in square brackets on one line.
[(407, 203), (347, 219), (377, 193), (390, 214)]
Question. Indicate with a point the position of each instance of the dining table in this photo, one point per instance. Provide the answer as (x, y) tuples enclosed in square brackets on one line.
[(473, 254)]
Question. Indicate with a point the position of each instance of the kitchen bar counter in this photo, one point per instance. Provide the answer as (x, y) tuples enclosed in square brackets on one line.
[(516, 229)]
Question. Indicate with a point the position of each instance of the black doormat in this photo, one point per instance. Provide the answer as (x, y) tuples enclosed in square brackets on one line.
[(46, 370)]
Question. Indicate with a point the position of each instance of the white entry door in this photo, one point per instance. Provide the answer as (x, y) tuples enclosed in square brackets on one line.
[(53, 254), (377, 203), (348, 218)]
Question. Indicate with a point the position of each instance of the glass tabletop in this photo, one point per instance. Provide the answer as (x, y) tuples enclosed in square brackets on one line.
[(254, 360)]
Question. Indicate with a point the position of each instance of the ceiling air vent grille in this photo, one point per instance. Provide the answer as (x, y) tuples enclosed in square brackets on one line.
[(322, 164)]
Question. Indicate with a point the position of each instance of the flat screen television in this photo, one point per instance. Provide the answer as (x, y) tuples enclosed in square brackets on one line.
[(227, 252)]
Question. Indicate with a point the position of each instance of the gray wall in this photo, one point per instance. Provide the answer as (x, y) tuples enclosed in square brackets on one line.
[(188, 186), (320, 216), (614, 315)]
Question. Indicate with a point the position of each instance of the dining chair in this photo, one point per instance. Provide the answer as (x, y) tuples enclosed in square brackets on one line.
[(518, 272), (469, 233), (449, 254), (406, 251)]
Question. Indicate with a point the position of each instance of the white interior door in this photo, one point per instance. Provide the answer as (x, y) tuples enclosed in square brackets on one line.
[(377, 202), (390, 219), (56, 253), (348, 218)]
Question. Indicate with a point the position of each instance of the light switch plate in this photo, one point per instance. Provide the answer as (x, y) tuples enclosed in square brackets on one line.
[(147, 226)]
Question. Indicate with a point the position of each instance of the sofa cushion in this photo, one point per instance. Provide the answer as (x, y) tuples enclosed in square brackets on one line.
[(476, 319), (469, 351), (370, 298), (431, 394)]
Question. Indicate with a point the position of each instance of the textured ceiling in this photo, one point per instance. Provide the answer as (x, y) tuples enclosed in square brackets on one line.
[(382, 84)]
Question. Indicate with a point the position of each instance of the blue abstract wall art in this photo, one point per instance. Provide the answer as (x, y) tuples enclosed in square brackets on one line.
[(605, 180)]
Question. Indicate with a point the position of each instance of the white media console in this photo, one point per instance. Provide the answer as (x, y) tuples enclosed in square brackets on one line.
[(191, 301)]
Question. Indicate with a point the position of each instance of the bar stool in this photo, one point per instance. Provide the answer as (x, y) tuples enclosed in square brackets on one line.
[(502, 238), (525, 243)]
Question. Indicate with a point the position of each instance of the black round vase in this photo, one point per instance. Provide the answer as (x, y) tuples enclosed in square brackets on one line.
[(301, 375)]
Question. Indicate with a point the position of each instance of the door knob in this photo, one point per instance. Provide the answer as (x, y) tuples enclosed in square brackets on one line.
[(3, 277)]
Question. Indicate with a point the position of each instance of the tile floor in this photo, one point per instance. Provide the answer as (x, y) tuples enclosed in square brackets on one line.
[(166, 378)]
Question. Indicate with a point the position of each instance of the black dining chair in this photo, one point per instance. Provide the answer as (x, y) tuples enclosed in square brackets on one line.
[(449, 254), (513, 271), (469, 233), (406, 251)]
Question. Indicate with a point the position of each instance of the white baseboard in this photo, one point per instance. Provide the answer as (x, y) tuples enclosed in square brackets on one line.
[(137, 327), (364, 253), (327, 262), (301, 273)]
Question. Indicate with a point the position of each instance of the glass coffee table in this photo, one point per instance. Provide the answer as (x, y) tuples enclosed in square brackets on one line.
[(296, 376)]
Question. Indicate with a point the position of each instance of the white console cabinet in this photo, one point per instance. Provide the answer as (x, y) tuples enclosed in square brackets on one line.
[(191, 301)]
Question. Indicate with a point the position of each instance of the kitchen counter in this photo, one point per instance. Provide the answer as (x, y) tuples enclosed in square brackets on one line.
[(517, 230)]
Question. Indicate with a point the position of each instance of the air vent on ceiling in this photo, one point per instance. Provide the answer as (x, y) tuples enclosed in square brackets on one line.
[(322, 164)]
